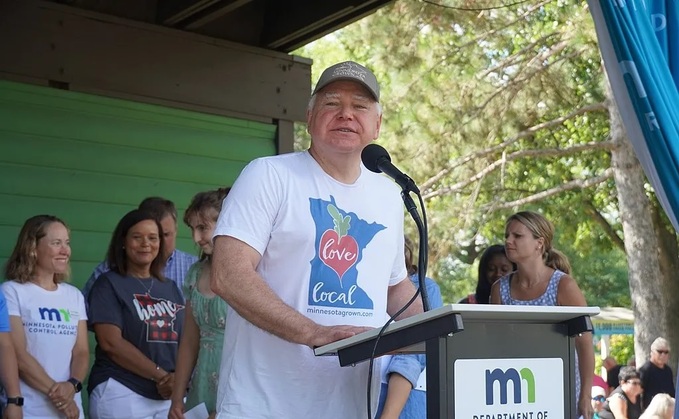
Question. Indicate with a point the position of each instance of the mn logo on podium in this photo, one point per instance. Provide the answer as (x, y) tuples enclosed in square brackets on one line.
[(517, 379), (520, 387)]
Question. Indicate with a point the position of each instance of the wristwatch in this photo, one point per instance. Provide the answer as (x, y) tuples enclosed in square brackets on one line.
[(76, 384), (19, 401)]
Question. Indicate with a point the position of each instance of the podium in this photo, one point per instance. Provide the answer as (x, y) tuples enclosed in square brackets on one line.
[(485, 361)]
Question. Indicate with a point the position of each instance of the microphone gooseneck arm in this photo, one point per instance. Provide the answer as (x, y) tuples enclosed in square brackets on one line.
[(423, 250), (403, 180)]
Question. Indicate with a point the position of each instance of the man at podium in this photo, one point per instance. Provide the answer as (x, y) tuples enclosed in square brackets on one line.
[(308, 251)]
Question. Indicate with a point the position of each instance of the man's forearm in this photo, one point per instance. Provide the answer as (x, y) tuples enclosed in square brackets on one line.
[(255, 301), (235, 279)]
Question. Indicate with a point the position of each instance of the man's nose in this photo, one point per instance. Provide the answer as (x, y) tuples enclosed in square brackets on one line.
[(346, 112)]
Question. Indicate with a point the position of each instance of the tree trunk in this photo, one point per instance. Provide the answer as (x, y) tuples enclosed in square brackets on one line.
[(641, 243), (669, 266)]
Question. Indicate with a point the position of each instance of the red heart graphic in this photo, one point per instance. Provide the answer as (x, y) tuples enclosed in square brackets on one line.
[(339, 253)]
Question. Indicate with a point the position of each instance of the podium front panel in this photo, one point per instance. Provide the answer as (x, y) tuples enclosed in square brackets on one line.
[(496, 368)]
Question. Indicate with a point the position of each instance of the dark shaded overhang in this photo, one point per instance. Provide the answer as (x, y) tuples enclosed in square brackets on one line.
[(279, 25)]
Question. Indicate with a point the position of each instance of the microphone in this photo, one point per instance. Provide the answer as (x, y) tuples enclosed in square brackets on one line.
[(377, 160)]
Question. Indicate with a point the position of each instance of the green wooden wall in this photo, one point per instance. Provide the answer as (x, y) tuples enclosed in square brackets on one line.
[(89, 159)]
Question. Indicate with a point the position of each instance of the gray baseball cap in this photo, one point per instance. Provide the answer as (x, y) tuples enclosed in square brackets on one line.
[(351, 71)]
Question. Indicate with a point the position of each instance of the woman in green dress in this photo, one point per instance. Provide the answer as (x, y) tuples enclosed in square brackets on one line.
[(200, 347)]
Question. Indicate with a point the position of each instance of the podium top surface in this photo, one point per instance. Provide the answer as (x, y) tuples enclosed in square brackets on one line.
[(470, 313)]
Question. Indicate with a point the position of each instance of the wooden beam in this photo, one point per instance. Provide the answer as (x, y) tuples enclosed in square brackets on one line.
[(192, 14), (285, 137), (212, 13), (100, 54), (171, 12)]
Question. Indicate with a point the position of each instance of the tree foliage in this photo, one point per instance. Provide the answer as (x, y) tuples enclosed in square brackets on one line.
[(622, 348)]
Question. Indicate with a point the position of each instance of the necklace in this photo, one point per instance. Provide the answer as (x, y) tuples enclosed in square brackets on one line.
[(147, 289)]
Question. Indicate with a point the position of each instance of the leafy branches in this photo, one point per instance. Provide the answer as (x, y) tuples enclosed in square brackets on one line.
[(528, 132)]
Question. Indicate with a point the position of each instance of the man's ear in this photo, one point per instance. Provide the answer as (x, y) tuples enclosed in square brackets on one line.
[(377, 128)]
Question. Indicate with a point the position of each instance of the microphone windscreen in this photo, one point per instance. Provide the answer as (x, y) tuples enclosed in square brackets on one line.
[(371, 155)]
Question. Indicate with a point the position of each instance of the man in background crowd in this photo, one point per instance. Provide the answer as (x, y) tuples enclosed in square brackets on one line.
[(656, 376)]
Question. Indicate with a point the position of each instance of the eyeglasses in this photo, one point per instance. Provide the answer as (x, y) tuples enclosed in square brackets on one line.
[(662, 351), (599, 398), (634, 382)]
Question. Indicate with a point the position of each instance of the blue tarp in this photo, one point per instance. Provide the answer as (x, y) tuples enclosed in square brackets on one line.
[(639, 41)]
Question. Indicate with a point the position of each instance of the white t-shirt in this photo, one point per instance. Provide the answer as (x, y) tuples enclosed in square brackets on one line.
[(330, 250), (50, 320)]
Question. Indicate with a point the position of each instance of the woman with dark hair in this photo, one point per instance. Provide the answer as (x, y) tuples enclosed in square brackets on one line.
[(542, 278), (48, 321), (200, 348), (137, 318), (492, 266), (625, 401)]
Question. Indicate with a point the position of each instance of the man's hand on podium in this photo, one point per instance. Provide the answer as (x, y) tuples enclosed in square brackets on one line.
[(323, 335)]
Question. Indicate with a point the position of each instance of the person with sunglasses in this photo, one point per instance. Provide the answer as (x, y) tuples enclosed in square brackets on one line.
[(598, 400), (625, 401), (656, 375)]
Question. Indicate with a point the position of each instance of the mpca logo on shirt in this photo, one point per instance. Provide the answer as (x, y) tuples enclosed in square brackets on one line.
[(57, 314), (52, 321), (159, 315)]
